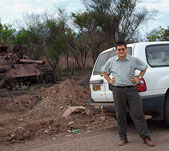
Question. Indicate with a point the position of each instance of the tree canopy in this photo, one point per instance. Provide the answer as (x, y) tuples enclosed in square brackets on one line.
[(158, 34), (80, 34), (7, 34)]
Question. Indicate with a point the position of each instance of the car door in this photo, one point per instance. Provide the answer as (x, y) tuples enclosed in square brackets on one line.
[(98, 84)]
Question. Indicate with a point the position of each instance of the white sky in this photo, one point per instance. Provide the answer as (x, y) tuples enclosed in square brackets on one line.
[(11, 10)]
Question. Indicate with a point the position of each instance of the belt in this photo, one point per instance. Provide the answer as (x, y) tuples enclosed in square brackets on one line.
[(128, 86)]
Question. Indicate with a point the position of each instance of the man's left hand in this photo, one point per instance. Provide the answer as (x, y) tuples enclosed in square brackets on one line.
[(135, 80)]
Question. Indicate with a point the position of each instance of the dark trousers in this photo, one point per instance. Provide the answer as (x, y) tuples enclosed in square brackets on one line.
[(129, 97)]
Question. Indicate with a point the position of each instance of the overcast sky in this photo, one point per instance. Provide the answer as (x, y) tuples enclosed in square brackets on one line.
[(11, 10)]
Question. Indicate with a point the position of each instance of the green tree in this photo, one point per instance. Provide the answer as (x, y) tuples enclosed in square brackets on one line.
[(72, 46), (56, 39), (32, 35), (7, 34), (90, 34), (159, 34)]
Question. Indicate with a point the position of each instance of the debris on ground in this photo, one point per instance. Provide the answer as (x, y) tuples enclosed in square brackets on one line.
[(73, 109), (48, 112)]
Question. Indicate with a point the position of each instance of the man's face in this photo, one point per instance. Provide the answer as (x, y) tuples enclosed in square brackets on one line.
[(121, 51)]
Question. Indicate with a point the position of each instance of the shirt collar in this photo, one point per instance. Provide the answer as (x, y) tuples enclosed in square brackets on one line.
[(127, 57)]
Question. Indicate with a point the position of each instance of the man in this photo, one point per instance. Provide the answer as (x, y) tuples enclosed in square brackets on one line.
[(125, 94)]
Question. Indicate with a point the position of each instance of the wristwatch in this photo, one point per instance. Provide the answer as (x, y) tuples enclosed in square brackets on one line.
[(140, 77)]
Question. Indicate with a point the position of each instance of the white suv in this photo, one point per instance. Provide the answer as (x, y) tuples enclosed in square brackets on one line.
[(154, 88)]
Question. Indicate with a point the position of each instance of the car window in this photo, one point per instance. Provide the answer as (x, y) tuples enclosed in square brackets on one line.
[(158, 55), (104, 57), (102, 60)]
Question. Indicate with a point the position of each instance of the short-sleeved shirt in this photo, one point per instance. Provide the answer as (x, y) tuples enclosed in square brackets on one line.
[(123, 70)]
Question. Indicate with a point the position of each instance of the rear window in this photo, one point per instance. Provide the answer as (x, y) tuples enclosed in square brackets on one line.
[(158, 55), (104, 57)]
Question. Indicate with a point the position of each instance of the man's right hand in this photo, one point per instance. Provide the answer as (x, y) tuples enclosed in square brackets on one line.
[(112, 81)]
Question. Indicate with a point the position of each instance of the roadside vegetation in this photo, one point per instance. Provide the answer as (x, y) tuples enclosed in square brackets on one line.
[(67, 41)]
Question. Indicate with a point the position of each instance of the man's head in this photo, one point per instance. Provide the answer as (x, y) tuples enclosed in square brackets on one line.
[(121, 49), (121, 43)]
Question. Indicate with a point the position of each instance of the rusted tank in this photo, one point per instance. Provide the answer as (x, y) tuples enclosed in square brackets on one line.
[(16, 68)]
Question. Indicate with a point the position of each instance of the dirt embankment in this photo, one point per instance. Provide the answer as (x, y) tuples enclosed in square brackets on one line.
[(41, 114)]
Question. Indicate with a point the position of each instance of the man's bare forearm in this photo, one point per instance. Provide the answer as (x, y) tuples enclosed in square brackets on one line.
[(143, 72), (106, 76)]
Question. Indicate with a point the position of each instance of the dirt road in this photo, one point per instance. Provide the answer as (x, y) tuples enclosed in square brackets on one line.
[(103, 140)]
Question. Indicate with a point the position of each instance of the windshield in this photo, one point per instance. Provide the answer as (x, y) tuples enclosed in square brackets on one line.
[(104, 57)]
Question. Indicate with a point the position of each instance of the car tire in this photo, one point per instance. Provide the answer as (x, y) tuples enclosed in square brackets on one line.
[(166, 111)]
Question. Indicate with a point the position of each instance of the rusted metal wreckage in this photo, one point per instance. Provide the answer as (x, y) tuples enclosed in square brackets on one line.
[(17, 69)]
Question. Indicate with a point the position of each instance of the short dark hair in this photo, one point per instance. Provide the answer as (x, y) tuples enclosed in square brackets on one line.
[(121, 43)]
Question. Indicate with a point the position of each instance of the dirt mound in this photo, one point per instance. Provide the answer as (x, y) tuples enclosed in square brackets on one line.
[(56, 99), (41, 114)]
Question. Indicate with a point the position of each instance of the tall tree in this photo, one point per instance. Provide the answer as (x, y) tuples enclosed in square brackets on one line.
[(90, 33), (119, 19), (56, 40)]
